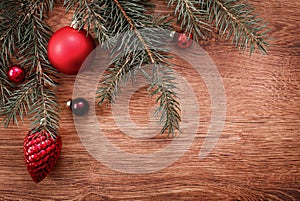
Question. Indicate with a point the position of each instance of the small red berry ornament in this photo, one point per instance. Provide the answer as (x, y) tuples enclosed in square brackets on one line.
[(183, 40), (16, 74), (68, 48), (41, 152)]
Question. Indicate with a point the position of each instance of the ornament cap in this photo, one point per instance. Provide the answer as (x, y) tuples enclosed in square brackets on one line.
[(172, 34), (75, 23), (69, 103)]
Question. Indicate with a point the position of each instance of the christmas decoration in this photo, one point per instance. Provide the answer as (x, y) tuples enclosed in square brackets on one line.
[(16, 74), (183, 40), (25, 36), (79, 106), (233, 20), (41, 152), (68, 48)]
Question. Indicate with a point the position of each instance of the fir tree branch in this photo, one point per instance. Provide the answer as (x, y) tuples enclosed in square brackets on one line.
[(162, 84), (134, 28), (11, 18), (89, 13), (110, 84), (24, 36), (46, 116), (129, 19), (133, 47), (4, 85), (235, 19), (191, 17), (35, 97), (17, 105)]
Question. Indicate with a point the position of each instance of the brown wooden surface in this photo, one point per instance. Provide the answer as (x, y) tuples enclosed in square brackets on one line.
[(257, 157)]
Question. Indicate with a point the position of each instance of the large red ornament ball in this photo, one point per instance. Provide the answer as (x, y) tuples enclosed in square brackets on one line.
[(16, 74), (183, 40), (68, 48)]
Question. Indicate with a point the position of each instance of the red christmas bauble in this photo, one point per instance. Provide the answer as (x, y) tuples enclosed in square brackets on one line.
[(16, 74), (184, 40), (41, 152), (68, 48)]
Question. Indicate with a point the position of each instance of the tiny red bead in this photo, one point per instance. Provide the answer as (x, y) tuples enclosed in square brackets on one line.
[(38, 140), (29, 151), (35, 148), (30, 158), (43, 145), (16, 74), (48, 142), (39, 147), (48, 150), (42, 152), (34, 157)]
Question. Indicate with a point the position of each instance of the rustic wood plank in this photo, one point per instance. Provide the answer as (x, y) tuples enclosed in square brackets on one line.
[(257, 157)]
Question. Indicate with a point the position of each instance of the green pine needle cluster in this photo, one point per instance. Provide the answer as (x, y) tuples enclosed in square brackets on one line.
[(192, 17), (122, 30), (233, 19), (24, 38), (236, 20), (118, 25)]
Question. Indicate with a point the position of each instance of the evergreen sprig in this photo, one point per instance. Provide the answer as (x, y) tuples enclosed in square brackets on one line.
[(4, 84), (25, 39), (133, 47), (163, 86), (235, 19), (121, 26), (191, 16), (88, 13)]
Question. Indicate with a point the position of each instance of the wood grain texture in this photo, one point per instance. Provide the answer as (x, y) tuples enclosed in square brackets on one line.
[(256, 158)]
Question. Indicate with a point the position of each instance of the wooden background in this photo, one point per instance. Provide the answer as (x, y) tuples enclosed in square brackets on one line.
[(258, 154)]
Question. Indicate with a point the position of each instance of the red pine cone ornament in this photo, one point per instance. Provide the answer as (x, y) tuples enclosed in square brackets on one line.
[(41, 152)]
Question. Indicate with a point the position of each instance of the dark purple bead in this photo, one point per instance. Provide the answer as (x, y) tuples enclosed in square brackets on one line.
[(79, 106)]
